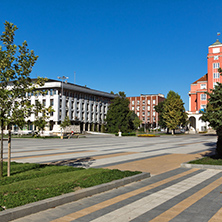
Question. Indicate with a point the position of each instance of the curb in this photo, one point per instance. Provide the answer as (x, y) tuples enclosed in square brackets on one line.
[(22, 211), (201, 166)]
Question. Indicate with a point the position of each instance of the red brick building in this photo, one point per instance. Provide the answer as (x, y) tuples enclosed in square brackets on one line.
[(143, 106), (197, 96)]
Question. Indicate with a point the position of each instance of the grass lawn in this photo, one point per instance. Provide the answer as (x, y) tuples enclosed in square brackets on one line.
[(208, 161), (33, 182)]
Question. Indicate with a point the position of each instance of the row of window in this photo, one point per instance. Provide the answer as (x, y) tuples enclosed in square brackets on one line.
[(143, 108), (148, 119), (148, 113), (88, 116), (50, 92), (148, 102), (216, 65)]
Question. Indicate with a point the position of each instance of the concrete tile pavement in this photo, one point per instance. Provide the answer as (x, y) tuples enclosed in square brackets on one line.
[(170, 195), (164, 202)]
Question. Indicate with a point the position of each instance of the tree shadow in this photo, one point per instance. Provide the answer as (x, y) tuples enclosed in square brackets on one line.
[(78, 162), (211, 151)]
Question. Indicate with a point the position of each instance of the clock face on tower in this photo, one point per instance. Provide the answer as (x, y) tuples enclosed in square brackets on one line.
[(215, 57)]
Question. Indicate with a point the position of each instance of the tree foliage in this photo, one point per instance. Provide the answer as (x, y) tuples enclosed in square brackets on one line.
[(119, 116), (159, 110), (66, 122), (213, 113), (16, 63), (174, 113), (41, 115)]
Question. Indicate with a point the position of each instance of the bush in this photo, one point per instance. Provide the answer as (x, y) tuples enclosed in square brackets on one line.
[(126, 134)]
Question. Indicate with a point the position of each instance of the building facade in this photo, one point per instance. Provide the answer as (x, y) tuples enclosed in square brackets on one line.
[(143, 106), (197, 95), (85, 107)]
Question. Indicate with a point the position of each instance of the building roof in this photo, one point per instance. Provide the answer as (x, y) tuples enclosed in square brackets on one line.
[(216, 43), (203, 78)]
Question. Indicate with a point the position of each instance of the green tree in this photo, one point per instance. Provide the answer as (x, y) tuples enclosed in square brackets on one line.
[(174, 113), (213, 113), (16, 63), (41, 116), (118, 115), (66, 122), (135, 121), (159, 110)]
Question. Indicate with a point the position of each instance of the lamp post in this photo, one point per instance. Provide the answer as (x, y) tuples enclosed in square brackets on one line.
[(62, 78)]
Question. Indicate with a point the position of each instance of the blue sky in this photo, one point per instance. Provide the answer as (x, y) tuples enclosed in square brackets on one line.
[(135, 46)]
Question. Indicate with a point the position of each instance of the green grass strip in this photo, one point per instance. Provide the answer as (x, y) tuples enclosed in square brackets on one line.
[(34, 182), (207, 161)]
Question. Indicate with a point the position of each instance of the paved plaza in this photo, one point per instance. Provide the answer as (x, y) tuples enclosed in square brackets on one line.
[(172, 193)]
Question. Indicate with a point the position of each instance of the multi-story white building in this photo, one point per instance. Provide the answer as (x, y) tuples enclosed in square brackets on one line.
[(85, 107)]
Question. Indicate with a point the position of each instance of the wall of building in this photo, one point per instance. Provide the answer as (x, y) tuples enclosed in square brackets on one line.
[(143, 106)]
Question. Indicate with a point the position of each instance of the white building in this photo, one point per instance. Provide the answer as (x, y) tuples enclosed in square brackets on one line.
[(85, 107)]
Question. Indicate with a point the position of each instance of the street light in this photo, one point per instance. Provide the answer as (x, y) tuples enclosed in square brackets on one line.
[(62, 78)]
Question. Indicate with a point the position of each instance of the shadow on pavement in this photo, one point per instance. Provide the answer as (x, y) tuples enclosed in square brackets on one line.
[(79, 162)]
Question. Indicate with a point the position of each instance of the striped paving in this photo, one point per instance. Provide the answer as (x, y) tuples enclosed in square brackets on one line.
[(178, 195), (171, 194)]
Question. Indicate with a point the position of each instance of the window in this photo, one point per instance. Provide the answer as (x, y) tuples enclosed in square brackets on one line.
[(51, 102), (148, 102), (216, 50), (154, 119), (138, 102), (215, 57), (148, 107), (216, 65), (143, 101), (143, 107), (203, 106), (138, 113), (154, 113), (43, 102), (203, 86), (154, 101), (133, 102), (133, 108), (203, 96), (143, 113), (148, 118), (138, 108), (148, 113), (216, 75), (143, 118)]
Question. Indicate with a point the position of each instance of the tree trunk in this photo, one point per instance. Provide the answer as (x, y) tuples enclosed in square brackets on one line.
[(9, 153), (219, 144), (1, 165), (172, 131)]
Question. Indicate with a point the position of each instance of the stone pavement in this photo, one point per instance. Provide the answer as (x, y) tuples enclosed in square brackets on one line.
[(171, 194)]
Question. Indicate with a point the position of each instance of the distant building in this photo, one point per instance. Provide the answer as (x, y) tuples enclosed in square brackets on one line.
[(197, 96), (143, 106), (85, 107)]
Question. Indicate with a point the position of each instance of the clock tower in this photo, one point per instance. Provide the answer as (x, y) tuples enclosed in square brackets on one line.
[(214, 61)]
